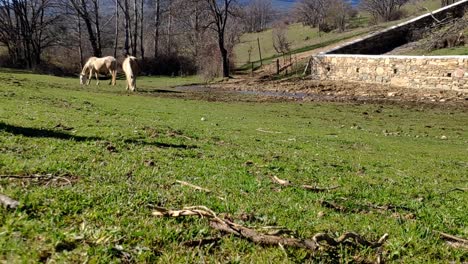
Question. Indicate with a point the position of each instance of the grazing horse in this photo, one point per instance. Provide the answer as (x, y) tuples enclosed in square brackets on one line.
[(99, 65), (130, 67)]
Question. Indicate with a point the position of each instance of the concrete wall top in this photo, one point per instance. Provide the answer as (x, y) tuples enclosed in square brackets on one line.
[(465, 57), (403, 24)]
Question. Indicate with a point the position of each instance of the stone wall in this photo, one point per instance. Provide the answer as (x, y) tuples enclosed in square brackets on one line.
[(386, 40), (435, 72)]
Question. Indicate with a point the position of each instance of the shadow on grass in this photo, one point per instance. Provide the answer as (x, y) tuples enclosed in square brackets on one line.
[(43, 133), (162, 91), (46, 133), (160, 144)]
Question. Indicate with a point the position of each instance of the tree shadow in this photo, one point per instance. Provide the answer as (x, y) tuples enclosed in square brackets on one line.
[(160, 144), (43, 133), (47, 133)]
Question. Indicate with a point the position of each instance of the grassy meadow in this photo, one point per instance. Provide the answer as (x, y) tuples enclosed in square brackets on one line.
[(112, 157)]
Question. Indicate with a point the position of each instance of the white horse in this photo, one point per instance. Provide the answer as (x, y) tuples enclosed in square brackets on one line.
[(99, 65), (130, 67)]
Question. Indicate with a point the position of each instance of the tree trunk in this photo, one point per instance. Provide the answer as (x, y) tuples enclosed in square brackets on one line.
[(116, 39), (127, 28), (91, 34), (142, 46), (224, 57), (135, 29), (157, 22), (98, 29), (169, 29), (80, 47)]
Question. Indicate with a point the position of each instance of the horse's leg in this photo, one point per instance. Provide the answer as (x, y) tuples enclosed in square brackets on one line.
[(114, 77), (90, 76), (97, 77)]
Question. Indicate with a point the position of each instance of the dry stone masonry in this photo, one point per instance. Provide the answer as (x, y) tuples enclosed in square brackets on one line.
[(437, 72), (357, 61)]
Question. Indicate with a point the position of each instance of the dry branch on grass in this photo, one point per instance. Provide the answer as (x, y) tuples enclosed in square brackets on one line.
[(267, 131), (250, 234), (8, 202), (193, 186), (45, 179), (453, 241), (304, 186), (197, 188)]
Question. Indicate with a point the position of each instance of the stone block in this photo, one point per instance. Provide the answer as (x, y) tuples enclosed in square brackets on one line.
[(401, 82)]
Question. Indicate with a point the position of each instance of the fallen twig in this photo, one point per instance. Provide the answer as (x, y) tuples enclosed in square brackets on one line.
[(336, 206), (266, 131), (453, 190), (453, 241), (304, 186), (193, 186), (25, 176), (263, 239), (8, 202), (49, 178), (201, 242), (319, 189), (280, 181)]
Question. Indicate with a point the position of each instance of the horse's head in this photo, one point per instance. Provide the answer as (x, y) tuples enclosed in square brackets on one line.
[(83, 79)]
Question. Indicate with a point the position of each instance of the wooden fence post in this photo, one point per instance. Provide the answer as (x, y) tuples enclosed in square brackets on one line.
[(277, 67), (260, 52)]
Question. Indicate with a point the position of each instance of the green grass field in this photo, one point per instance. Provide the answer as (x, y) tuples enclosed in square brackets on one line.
[(115, 156)]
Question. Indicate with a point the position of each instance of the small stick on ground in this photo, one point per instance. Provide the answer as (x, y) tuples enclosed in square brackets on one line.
[(271, 240), (280, 181), (319, 189), (8, 202), (453, 241), (453, 190), (304, 186), (26, 176), (49, 178), (266, 131), (201, 242), (193, 186)]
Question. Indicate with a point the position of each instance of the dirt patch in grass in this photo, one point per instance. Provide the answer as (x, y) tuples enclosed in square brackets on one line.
[(305, 89)]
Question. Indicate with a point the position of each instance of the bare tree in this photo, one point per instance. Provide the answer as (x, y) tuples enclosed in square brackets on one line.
[(258, 14), (338, 14), (88, 10), (383, 10), (311, 12), (220, 11), (326, 15), (280, 40), (25, 29)]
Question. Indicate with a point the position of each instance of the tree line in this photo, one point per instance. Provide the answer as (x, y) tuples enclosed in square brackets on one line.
[(169, 36)]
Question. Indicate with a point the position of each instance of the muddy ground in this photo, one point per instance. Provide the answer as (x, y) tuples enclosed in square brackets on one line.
[(307, 90)]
